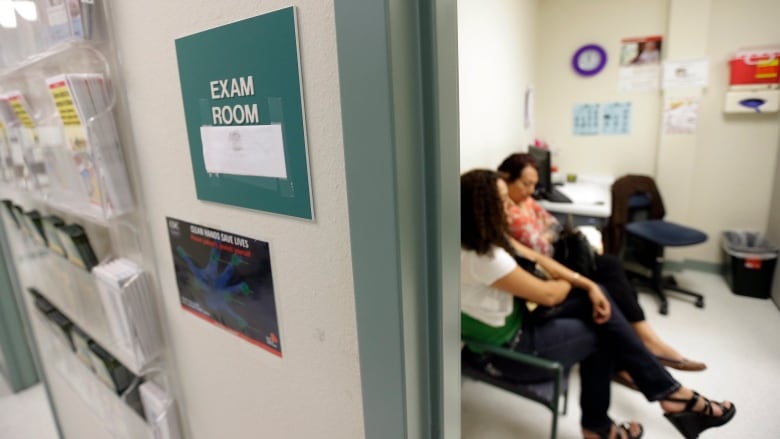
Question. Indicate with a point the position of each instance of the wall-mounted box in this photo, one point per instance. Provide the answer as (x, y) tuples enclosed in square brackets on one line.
[(755, 66), (752, 101)]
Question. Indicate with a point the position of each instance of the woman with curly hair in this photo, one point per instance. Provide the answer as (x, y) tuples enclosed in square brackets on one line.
[(491, 281)]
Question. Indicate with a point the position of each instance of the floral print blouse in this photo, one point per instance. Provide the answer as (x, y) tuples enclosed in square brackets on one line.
[(533, 226)]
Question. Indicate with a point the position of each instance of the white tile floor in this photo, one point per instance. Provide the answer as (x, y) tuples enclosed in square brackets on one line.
[(25, 415), (738, 337)]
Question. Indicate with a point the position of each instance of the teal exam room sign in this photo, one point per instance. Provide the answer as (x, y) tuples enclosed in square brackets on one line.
[(241, 89)]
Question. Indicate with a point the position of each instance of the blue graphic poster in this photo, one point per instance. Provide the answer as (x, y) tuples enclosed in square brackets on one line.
[(226, 280)]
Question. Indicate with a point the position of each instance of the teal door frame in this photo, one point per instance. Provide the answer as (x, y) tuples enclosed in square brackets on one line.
[(398, 81), (31, 369), (20, 367)]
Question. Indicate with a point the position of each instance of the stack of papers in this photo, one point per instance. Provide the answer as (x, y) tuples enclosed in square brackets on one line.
[(159, 411), (84, 103), (20, 134), (125, 292)]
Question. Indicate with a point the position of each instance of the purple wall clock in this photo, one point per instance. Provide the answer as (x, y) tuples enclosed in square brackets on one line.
[(589, 59)]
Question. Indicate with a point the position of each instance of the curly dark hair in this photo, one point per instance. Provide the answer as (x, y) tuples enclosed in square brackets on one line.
[(513, 166), (483, 220)]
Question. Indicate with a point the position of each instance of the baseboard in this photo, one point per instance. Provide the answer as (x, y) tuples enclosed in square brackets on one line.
[(692, 264)]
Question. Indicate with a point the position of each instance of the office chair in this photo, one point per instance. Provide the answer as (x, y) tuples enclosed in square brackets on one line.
[(547, 393), (638, 209)]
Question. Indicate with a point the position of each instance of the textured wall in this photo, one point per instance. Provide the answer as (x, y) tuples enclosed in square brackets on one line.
[(228, 387)]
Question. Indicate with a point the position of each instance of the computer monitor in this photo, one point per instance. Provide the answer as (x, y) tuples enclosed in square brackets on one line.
[(544, 188), (542, 159)]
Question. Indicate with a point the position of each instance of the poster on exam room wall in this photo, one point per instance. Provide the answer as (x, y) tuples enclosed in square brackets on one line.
[(601, 118), (226, 280), (681, 114), (243, 106), (640, 64)]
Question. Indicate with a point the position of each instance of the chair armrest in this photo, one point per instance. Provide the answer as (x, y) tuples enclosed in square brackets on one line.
[(529, 359)]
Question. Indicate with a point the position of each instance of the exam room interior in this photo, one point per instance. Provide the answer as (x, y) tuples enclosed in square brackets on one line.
[(720, 178), (723, 177)]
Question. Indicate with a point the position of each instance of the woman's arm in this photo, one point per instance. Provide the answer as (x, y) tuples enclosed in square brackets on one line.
[(601, 307), (523, 284)]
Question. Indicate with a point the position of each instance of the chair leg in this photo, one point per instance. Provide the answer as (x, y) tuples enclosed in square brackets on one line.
[(554, 405), (658, 283), (699, 298), (662, 283)]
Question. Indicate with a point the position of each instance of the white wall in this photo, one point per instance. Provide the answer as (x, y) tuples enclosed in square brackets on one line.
[(603, 22), (773, 230), (496, 52), (717, 179), (735, 155), (228, 387)]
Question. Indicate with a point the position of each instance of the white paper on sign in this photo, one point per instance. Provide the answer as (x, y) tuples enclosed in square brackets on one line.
[(256, 150)]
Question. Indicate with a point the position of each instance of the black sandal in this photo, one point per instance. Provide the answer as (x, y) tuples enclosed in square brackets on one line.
[(622, 431), (691, 423)]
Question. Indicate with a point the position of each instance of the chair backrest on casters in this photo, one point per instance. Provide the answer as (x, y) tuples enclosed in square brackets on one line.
[(547, 393), (638, 233)]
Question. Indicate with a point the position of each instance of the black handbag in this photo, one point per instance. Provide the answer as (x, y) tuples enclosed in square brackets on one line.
[(573, 250), (537, 313), (576, 305)]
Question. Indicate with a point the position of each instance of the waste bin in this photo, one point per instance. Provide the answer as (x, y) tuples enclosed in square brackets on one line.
[(750, 263)]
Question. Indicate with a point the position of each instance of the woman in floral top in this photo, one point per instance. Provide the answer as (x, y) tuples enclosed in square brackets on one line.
[(533, 226)]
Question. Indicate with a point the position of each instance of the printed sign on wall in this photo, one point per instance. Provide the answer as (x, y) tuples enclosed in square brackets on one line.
[(680, 114), (226, 280), (586, 119), (241, 90), (602, 118), (640, 63), (616, 118)]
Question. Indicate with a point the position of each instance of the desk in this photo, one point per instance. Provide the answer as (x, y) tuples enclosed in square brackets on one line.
[(591, 204)]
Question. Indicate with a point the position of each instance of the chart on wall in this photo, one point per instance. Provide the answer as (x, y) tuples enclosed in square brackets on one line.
[(243, 105), (226, 279), (595, 118)]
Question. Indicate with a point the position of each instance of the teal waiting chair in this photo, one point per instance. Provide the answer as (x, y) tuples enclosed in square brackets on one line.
[(547, 393)]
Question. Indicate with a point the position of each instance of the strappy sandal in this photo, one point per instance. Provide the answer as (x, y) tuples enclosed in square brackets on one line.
[(622, 431), (691, 423)]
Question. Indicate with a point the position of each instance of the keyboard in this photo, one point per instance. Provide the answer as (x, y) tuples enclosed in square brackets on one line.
[(556, 196)]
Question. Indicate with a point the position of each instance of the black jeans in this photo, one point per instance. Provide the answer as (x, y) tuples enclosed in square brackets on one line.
[(611, 275), (572, 337)]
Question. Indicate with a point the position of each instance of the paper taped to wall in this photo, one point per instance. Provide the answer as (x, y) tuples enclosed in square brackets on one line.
[(255, 150)]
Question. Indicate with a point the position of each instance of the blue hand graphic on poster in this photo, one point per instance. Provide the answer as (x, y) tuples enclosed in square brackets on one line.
[(226, 280)]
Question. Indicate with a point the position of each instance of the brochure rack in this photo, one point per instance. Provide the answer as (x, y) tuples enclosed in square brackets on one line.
[(120, 412), (62, 156), (76, 163), (75, 292)]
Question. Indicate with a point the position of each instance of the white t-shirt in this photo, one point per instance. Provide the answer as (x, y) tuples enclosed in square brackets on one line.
[(477, 298)]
